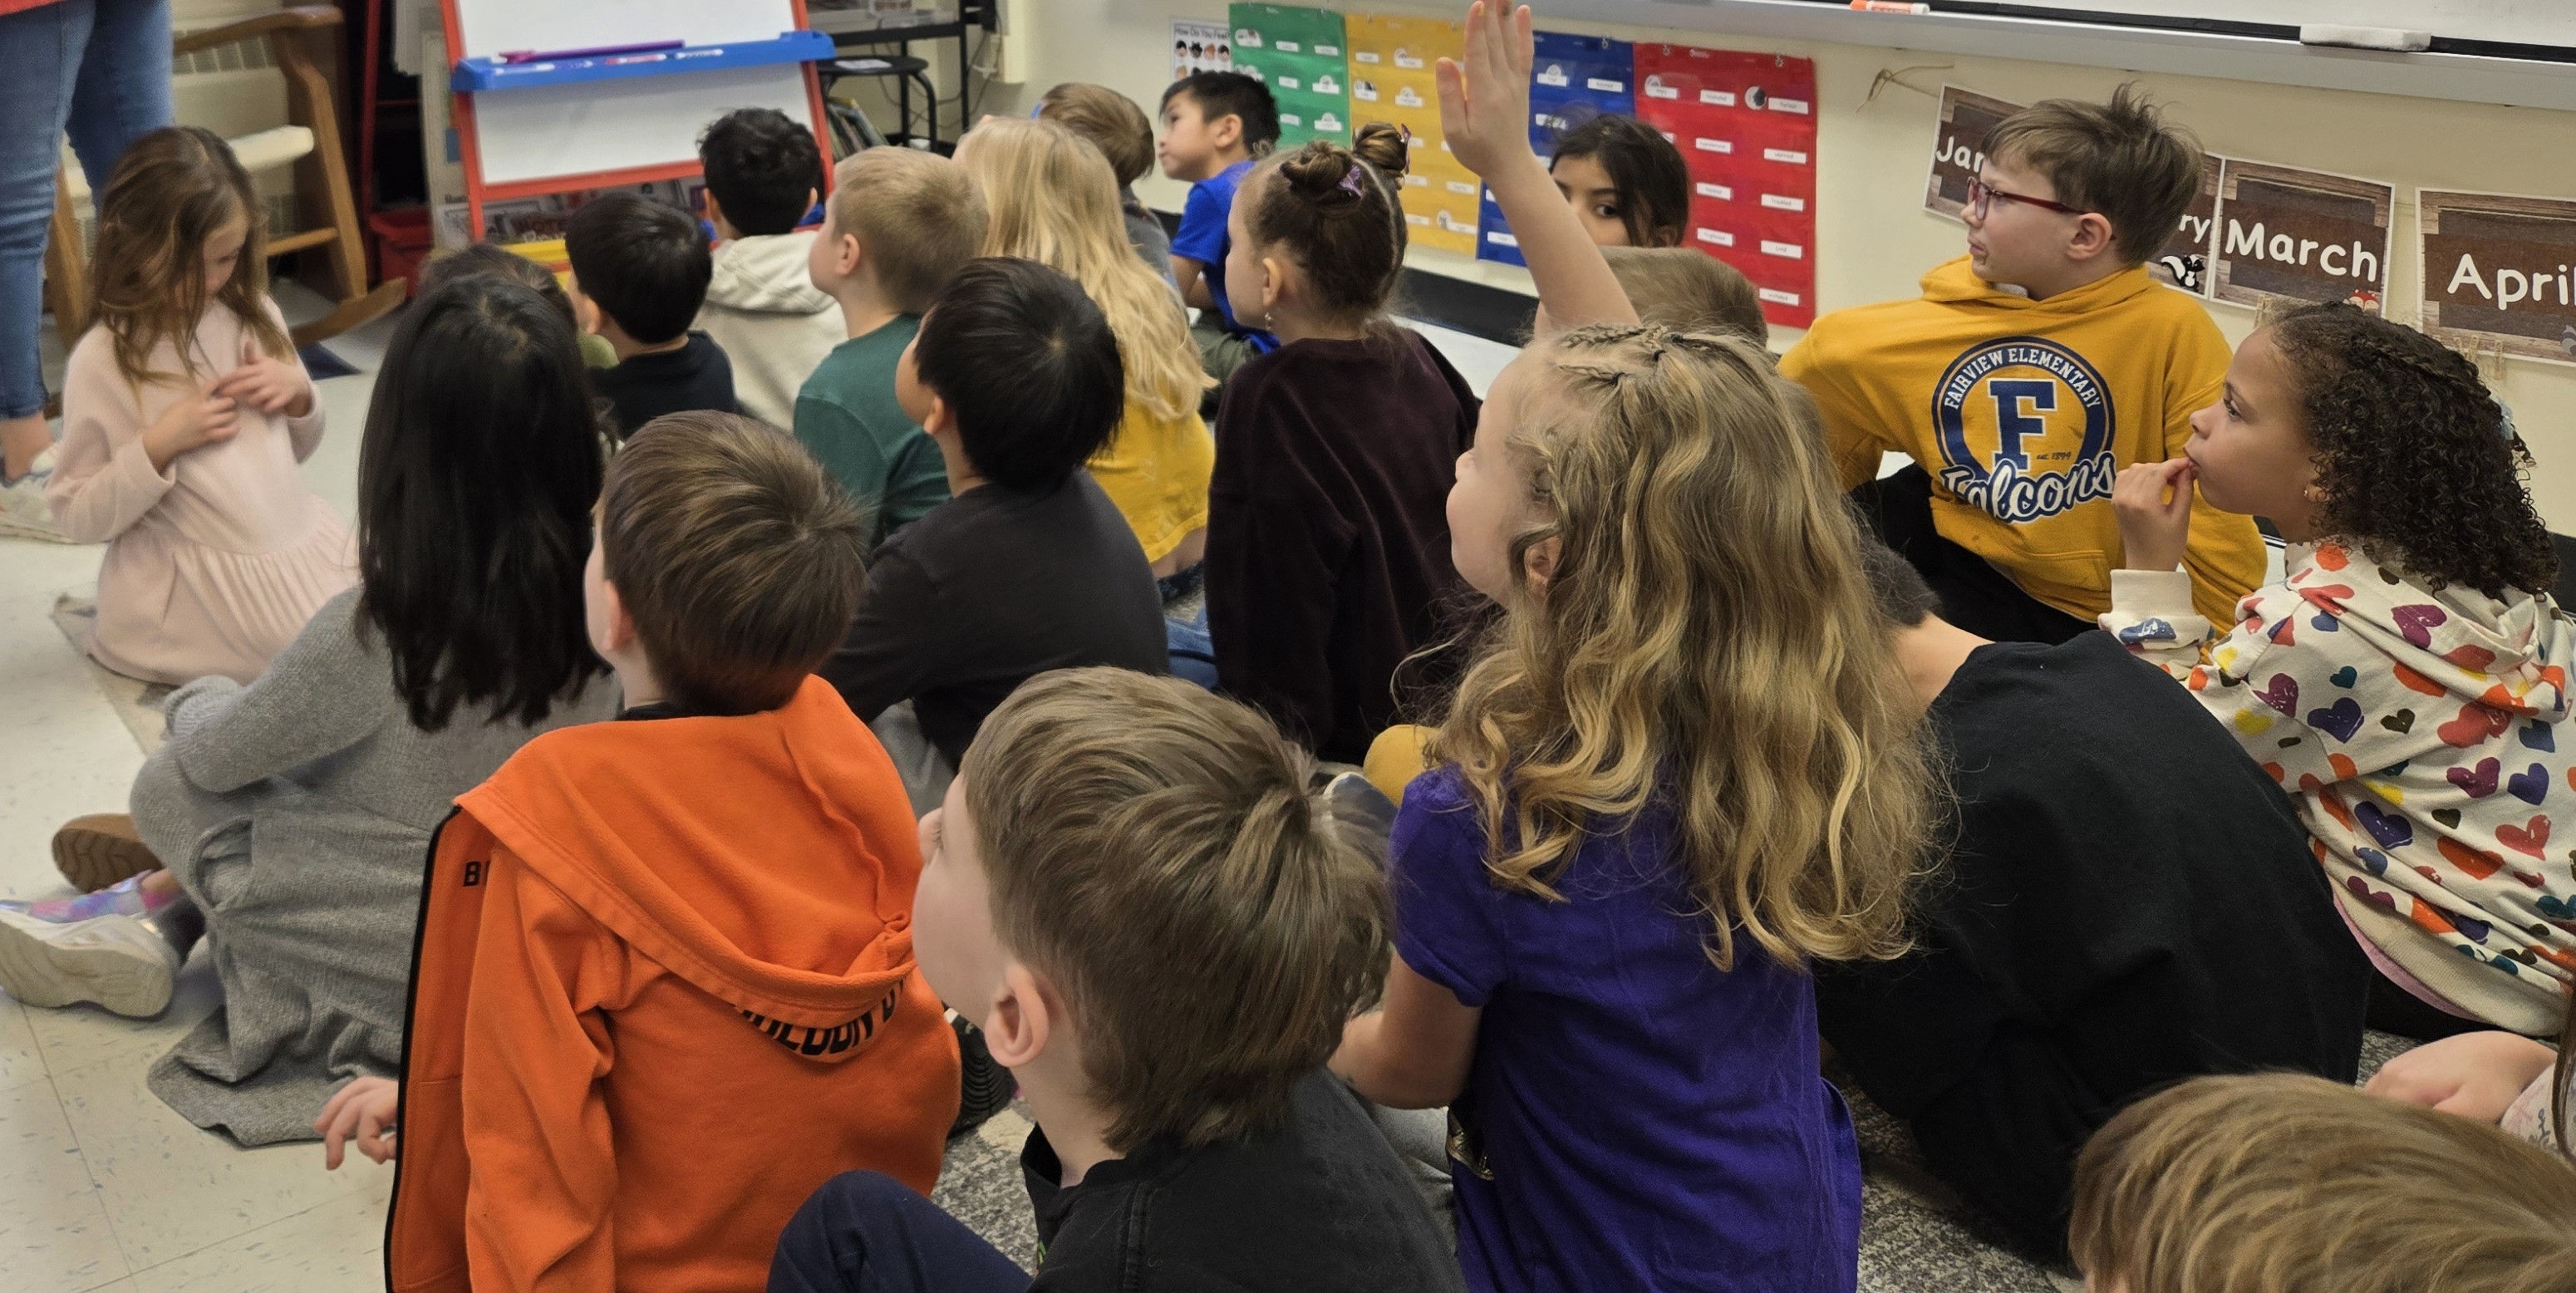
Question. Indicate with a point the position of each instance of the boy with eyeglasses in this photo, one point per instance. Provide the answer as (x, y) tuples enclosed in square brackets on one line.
[(2030, 372)]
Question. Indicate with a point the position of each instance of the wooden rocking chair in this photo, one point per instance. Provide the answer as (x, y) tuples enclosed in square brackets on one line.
[(311, 143)]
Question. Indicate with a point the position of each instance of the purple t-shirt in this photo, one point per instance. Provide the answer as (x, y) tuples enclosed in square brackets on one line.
[(1647, 1120), (1205, 237)]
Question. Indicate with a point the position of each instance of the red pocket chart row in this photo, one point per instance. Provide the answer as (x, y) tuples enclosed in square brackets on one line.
[(1746, 127)]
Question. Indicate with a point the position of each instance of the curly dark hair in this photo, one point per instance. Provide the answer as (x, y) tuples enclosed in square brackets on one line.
[(2413, 453)]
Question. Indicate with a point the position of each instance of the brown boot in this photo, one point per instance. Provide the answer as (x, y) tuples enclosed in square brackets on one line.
[(96, 851)]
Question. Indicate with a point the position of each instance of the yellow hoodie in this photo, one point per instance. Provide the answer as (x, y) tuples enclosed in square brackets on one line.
[(2023, 412)]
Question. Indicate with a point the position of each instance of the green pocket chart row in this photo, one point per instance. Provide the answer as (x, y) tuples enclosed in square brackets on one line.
[(1297, 52)]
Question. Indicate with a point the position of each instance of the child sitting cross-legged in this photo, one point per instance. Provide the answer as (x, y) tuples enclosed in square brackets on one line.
[(1188, 1136), (762, 308), (665, 985)]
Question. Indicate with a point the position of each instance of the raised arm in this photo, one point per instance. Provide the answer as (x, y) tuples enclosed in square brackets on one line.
[(1485, 113)]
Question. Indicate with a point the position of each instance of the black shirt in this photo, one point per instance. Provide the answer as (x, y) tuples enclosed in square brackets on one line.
[(694, 377), (1320, 1206), (2129, 901), (989, 589), (1328, 529)]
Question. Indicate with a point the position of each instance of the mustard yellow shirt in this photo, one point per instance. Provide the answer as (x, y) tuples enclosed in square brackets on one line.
[(1157, 472)]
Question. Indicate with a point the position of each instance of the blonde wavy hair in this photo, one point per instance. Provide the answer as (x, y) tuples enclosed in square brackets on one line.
[(1053, 200), (1706, 644)]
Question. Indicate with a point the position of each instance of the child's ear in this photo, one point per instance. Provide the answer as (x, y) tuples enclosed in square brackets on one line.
[(621, 625), (848, 255), (2092, 237), (942, 419), (1274, 284), (715, 209), (1020, 1020), (1225, 132), (587, 314), (1538, 563)]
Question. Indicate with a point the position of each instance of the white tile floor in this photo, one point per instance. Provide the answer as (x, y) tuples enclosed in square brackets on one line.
[(102, 1187)]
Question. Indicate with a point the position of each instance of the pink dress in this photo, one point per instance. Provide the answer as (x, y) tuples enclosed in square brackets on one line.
[(214, 563)]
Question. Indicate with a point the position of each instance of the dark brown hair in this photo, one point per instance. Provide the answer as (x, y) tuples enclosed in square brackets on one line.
[(2412, 452), (1648, 173), (2284, 1183), (172, 190), (1110, 120), (736, 554), (1336, 212), (483, 259), (2119, 159), (1252, 927), (1688, 290)]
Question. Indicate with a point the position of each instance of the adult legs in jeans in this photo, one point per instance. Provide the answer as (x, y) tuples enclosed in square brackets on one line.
[(99, 69), (865, 1232)]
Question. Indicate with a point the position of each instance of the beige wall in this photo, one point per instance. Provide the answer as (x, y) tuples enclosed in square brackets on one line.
[(1874, 240)]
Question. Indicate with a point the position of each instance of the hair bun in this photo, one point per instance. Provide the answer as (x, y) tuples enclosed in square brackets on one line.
[(1386, 147), (1319, 173)]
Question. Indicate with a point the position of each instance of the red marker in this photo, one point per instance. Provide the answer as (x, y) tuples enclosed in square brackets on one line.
[(1890, 6)]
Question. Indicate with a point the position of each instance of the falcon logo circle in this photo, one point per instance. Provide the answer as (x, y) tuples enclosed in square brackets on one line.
[(2025, 428)]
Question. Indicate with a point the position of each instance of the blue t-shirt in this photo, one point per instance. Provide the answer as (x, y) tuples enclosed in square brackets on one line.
[(1644, 1120), (1203, 238)]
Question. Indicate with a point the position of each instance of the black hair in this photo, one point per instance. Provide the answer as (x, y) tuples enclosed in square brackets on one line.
[(762, 168), (643, 263), (481, 461), (484, 258), (1645, 169), (1029, 366), (1894, 583), (2412, 452), (1233, 94)]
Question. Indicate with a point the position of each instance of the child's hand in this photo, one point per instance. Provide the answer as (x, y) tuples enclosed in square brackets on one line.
[(360, 1111), (2475, 1075), (198, 419), (1484, 97), (2154, 528), (266, 384)]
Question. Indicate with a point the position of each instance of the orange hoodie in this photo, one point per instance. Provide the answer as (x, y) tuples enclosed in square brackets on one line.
[(664, 989)]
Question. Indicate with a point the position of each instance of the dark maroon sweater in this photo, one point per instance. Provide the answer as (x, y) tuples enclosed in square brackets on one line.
[(1328, 529)]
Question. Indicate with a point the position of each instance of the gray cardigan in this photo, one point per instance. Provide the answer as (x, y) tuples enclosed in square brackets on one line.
[(297, 812)]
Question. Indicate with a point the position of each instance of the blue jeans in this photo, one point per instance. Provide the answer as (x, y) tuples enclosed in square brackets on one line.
[(99, 69), (867, 1233)]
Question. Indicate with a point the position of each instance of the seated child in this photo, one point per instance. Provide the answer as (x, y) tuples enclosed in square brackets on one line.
[(762, 308), (665, 983), (185, 414), (1016, 377), (283, 824), (1053, 201), (2526, 1087), (1215, 126), (1658, 804), (1689, 291), (639, 273), (1626, 180), (1118, 128), (1328, 535), (2406, 681), (1188, 1136), (899, 225), (2087, 944), (2279, 1183), (2049, 360)]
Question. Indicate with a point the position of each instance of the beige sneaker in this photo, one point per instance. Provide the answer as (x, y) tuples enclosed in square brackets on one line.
[(116, 961), (24, 513), (101, 849)]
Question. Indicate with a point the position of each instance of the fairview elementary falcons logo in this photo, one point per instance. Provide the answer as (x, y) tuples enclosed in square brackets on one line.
[(2025, 429)]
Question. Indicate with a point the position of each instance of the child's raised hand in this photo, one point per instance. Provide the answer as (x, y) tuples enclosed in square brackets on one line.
[(199, 418), (267, 384), (2154, 527), (362, 1111), (2475, 1075), (1484, 96)]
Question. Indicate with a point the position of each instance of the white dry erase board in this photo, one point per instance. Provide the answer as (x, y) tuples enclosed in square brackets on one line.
[(603, 126)]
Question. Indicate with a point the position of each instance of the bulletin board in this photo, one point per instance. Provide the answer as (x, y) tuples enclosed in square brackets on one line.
[(1746, 127), (1393, 57), (1572, 80)]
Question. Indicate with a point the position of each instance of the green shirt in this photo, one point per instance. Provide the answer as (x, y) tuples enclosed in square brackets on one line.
[(847, 416)]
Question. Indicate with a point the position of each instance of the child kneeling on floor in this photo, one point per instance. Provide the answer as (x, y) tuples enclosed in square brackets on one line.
[(1188, 1136), (665, 983)]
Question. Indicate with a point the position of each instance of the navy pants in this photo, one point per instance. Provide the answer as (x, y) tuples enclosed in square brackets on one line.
[(865, 1232)]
